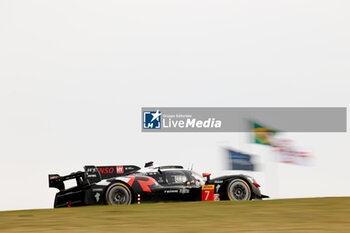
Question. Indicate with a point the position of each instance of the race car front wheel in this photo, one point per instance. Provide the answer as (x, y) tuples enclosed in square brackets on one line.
[(118, 194), (238, 190)]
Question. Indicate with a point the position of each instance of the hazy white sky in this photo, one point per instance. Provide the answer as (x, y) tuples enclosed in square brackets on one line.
[(75, 74)]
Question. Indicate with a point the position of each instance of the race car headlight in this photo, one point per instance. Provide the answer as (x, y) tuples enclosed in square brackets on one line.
[(251, 179)]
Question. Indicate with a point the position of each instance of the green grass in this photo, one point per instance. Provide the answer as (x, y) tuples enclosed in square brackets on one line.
[(289, 215)]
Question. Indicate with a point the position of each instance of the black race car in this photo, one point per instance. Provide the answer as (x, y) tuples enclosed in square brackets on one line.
[(127, 184)]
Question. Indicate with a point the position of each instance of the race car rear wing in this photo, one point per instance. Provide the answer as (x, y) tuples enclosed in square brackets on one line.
[(92, 175), (57, 181)]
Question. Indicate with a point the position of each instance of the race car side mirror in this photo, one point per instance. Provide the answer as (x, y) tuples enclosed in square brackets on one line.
[(149, 164), (207, 175)]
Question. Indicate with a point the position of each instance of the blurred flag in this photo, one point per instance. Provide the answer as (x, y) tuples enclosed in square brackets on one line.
[(240, 161), (288, 152), (261, 134)]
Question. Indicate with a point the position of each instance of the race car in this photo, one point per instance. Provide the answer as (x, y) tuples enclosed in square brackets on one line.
[(128, 184)]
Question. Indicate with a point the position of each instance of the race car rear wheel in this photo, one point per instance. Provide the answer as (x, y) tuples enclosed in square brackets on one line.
[(238, 190), (118, 194)]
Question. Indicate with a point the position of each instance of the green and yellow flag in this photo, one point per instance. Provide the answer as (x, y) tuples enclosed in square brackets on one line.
[(262, 135)]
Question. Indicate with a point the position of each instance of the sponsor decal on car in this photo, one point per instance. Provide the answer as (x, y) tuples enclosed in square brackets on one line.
[(106, 170), (208, 192), (218, 181), (97, 196), (171, 191), (184, 190), (120, 169), (97, 190), (207, 187), (144, 182)]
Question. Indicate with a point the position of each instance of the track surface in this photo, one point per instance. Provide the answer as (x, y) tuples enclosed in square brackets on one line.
[(289, 215)]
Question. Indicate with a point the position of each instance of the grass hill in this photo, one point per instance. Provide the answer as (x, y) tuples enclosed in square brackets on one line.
[(287, 215)]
